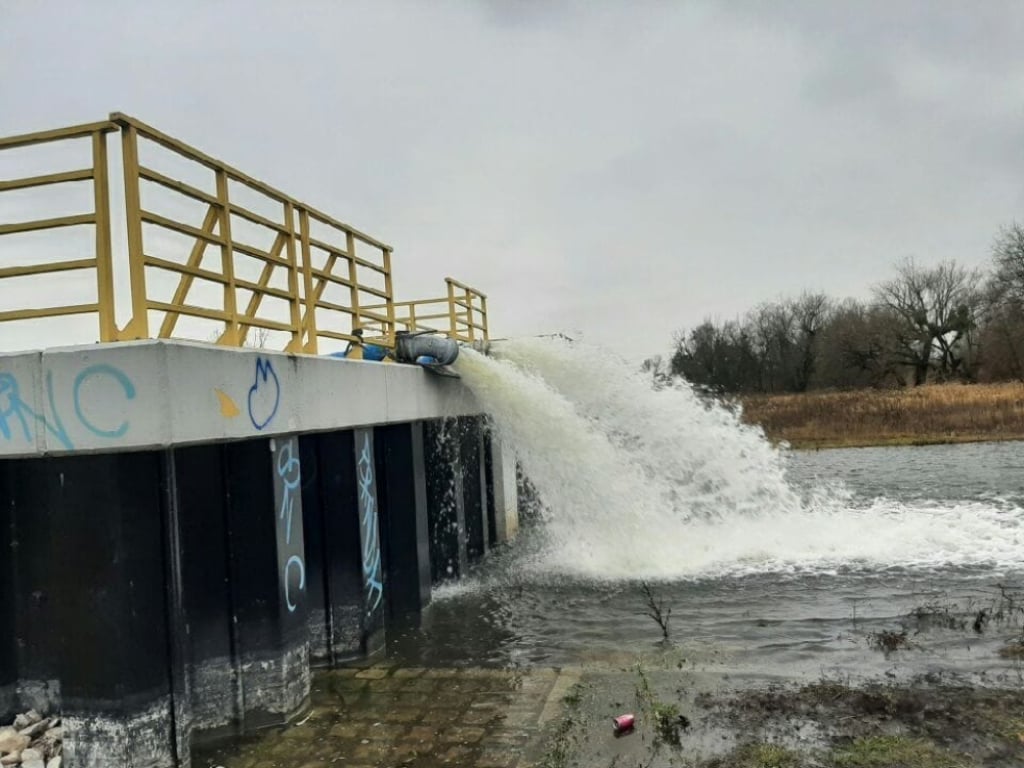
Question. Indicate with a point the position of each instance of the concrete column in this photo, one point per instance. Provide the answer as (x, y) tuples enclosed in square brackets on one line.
[(404, 528), (369, 539), (268, 578), (314, 527), (352, 558), (33, 605), (199, 570), (502, 489), (108, 584), (178, 649), (472, 460), (8, 613), (446, 514)]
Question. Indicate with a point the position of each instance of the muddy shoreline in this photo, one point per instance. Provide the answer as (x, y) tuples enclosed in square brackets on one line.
[(925, 723)]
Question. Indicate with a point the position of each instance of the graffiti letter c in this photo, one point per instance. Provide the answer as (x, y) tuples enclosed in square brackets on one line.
[(296, 561), (114, 373)]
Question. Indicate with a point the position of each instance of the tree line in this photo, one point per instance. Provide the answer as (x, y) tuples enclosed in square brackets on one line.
[(926, 324)]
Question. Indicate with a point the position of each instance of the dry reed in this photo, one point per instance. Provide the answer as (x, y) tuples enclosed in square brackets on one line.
[(946, 413)]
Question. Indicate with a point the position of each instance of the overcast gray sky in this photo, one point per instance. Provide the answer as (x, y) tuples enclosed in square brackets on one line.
[(618, 168)]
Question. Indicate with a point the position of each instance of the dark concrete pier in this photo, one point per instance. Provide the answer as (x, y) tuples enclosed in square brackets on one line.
[(186, 531)]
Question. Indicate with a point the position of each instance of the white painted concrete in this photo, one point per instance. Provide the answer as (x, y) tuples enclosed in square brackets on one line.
[(148, 394), (506, 493)]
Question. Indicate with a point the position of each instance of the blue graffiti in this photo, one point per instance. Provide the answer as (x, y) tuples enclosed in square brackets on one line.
[(297, 562), (16, 408), (12, 407), (264, 394), (369, 529), (16, 415), (289, 470), (118, 376)]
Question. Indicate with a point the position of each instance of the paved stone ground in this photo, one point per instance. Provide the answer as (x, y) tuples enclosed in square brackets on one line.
[(384, 716)]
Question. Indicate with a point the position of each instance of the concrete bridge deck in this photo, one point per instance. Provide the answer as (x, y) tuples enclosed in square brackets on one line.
[(158, 393)]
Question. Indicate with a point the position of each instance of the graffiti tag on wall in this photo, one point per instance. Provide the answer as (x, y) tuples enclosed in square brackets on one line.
[(262, 400), (264, 394), (19, 420), (289, 476), (368, 527)]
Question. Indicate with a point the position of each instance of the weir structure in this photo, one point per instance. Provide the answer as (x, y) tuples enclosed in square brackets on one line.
[(189, 523)]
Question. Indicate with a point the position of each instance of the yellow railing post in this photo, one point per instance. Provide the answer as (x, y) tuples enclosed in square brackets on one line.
[(452, 320), (353, 277), (138, 326), (295, 300), (231, 336), (470, 315), (104, 257), (389, 331), (309, 328)]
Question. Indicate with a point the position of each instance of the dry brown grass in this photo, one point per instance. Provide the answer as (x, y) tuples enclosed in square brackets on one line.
[(947, 413)]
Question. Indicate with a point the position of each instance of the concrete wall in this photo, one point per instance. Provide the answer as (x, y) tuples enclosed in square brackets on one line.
[(502, 478), (149, 394), (191, 528)]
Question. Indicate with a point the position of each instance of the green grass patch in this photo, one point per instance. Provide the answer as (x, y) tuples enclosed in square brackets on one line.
[(895, 752), (759, 755)]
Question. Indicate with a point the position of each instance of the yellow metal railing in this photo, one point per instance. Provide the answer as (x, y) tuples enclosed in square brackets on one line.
[(461, 314), (311, 265), (326, 279), (99, 217)]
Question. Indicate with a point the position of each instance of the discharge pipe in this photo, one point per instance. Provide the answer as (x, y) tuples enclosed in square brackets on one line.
[(414, 347)]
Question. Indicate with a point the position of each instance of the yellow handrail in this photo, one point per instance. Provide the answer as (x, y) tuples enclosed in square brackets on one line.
[(464, 310), (311, 265), (337, 281), (98, 217)]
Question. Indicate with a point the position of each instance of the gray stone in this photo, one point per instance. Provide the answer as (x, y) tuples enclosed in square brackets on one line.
[(54, 762), (25, 720), (32, 758), (35, 729), (12, 741)]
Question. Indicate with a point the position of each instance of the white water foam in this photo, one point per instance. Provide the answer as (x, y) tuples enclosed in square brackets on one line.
[(658, 484)]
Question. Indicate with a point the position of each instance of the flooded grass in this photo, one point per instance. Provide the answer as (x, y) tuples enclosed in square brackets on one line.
[(758, 756), (895, 752), (876, 726)]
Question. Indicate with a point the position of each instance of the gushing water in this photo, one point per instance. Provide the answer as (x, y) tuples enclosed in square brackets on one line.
[(638, 482)]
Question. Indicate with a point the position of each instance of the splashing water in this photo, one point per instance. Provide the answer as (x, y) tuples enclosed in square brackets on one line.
[(658, 484)]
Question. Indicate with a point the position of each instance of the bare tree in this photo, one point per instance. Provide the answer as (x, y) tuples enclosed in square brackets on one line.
[(771, 326), (811, 312), (937, 308), (719, 357), (1008, 261), (1003, 331), (257, 338)]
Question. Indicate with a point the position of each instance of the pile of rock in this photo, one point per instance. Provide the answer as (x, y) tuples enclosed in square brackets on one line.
[(33, 741)]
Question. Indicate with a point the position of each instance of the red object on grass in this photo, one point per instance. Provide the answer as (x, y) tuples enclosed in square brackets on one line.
[(624, 723)]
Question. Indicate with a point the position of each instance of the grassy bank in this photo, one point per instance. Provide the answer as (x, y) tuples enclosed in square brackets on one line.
[(947, 413)]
